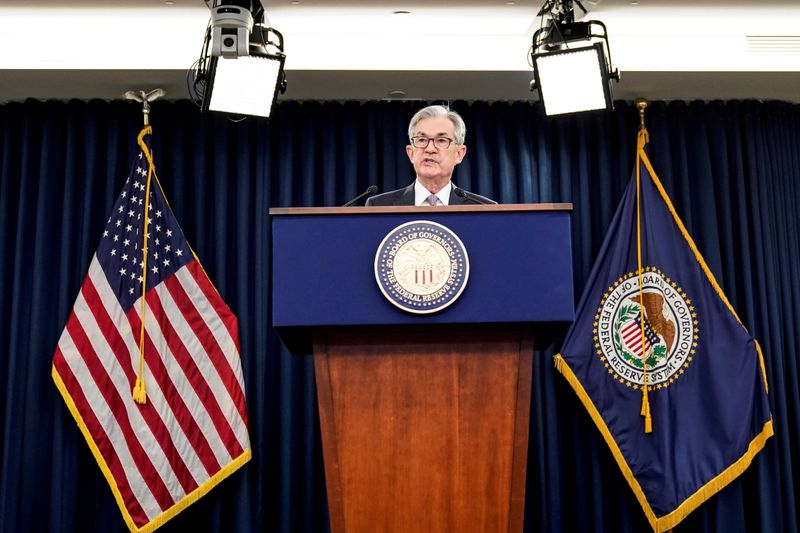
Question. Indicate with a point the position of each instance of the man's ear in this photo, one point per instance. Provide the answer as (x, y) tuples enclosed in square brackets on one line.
[(460, 153), (410, 152)]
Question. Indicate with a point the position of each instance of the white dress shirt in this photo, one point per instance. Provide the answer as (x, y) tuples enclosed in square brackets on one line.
[(421, 194)]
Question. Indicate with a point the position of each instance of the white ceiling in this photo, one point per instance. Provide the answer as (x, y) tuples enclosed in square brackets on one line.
[(470, 50)]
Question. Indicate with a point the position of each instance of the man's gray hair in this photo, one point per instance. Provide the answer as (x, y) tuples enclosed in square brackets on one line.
[(439, 111)]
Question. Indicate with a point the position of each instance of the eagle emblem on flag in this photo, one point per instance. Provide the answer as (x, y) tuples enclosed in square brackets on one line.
[(670, 322)]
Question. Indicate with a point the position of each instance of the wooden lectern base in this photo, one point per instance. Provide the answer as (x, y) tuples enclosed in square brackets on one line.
[(424, 431)]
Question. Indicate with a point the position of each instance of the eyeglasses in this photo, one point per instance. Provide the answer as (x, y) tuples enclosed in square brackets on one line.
[(443, 143)]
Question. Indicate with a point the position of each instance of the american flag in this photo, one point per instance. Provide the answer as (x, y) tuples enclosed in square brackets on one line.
[(191, 432), (632, 336)]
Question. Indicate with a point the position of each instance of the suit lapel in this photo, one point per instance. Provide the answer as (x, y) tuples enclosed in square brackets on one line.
[(408, 197), (454, 198)]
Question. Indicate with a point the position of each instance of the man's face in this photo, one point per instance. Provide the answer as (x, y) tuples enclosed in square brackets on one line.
[(432, 163)]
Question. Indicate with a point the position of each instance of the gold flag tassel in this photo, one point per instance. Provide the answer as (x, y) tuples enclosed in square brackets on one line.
[(641, 141), (139, 390)]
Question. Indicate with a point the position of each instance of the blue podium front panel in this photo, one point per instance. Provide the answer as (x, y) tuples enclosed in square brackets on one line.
[(323, 268)]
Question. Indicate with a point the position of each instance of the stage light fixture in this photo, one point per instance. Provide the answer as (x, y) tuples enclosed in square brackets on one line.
[(241, 67), (571, 62), (247, 85)]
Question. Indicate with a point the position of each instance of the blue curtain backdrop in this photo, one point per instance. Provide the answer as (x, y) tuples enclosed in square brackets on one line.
[(732, 170)]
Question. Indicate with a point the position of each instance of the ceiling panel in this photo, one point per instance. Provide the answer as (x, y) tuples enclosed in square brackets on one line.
[(665, 49)]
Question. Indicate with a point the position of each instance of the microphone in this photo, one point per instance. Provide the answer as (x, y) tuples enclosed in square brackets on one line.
[(474, 198), (372, 189)]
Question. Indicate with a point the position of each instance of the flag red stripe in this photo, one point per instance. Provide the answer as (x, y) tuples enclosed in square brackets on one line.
[(631, 327), (109, 328), (210, 345), (632, 335), (173, 398), (633, 340), (100, 438), (148, 412), (194, 376), (228, 319), (212, 296), (106, 387)]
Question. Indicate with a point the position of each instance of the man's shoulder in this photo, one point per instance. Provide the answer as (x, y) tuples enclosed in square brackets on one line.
[(459, 196), (395, 197)]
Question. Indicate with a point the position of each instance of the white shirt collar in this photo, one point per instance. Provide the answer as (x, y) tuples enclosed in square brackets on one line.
[(421, 193)]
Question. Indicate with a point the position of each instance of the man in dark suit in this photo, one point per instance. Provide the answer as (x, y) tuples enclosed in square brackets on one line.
[(436, 146)]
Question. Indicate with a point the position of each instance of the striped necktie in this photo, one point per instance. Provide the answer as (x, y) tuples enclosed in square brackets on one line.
[(432, 200)]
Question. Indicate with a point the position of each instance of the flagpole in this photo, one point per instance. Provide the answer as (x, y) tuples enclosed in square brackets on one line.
[(139, 389), (641, 141)]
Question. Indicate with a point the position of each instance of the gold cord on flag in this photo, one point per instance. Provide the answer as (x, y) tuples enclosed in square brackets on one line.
[(641, 141), (139, 391)]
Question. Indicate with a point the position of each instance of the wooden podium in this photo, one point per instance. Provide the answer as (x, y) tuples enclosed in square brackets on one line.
[(424, 418)]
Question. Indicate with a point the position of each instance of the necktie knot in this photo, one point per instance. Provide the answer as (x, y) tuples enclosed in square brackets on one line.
[(432, 200)]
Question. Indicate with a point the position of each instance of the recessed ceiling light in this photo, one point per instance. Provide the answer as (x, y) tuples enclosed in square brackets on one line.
[(401, 13), (295, 2), (511, 3), (169, 3), (397, 94)]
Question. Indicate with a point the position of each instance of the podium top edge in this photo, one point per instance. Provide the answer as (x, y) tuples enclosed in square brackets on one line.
[(397, 209)]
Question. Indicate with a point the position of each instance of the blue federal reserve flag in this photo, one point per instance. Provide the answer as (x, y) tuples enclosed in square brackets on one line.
[(659, 358)]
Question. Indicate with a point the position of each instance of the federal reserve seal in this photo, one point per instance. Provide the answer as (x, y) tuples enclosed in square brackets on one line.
[(657, 327), (421, 266)]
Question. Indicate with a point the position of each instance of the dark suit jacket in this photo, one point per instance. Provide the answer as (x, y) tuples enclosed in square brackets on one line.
[(405, 196)]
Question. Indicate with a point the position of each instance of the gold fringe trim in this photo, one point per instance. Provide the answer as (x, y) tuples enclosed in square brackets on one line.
[(719, 482), (763, 366), (170, 513), (687, 237), (197, 493), (566, 371), (691, 503)]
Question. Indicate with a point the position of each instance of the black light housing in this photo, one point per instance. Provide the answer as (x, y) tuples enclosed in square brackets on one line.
[(241, 67), (571, 62)]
